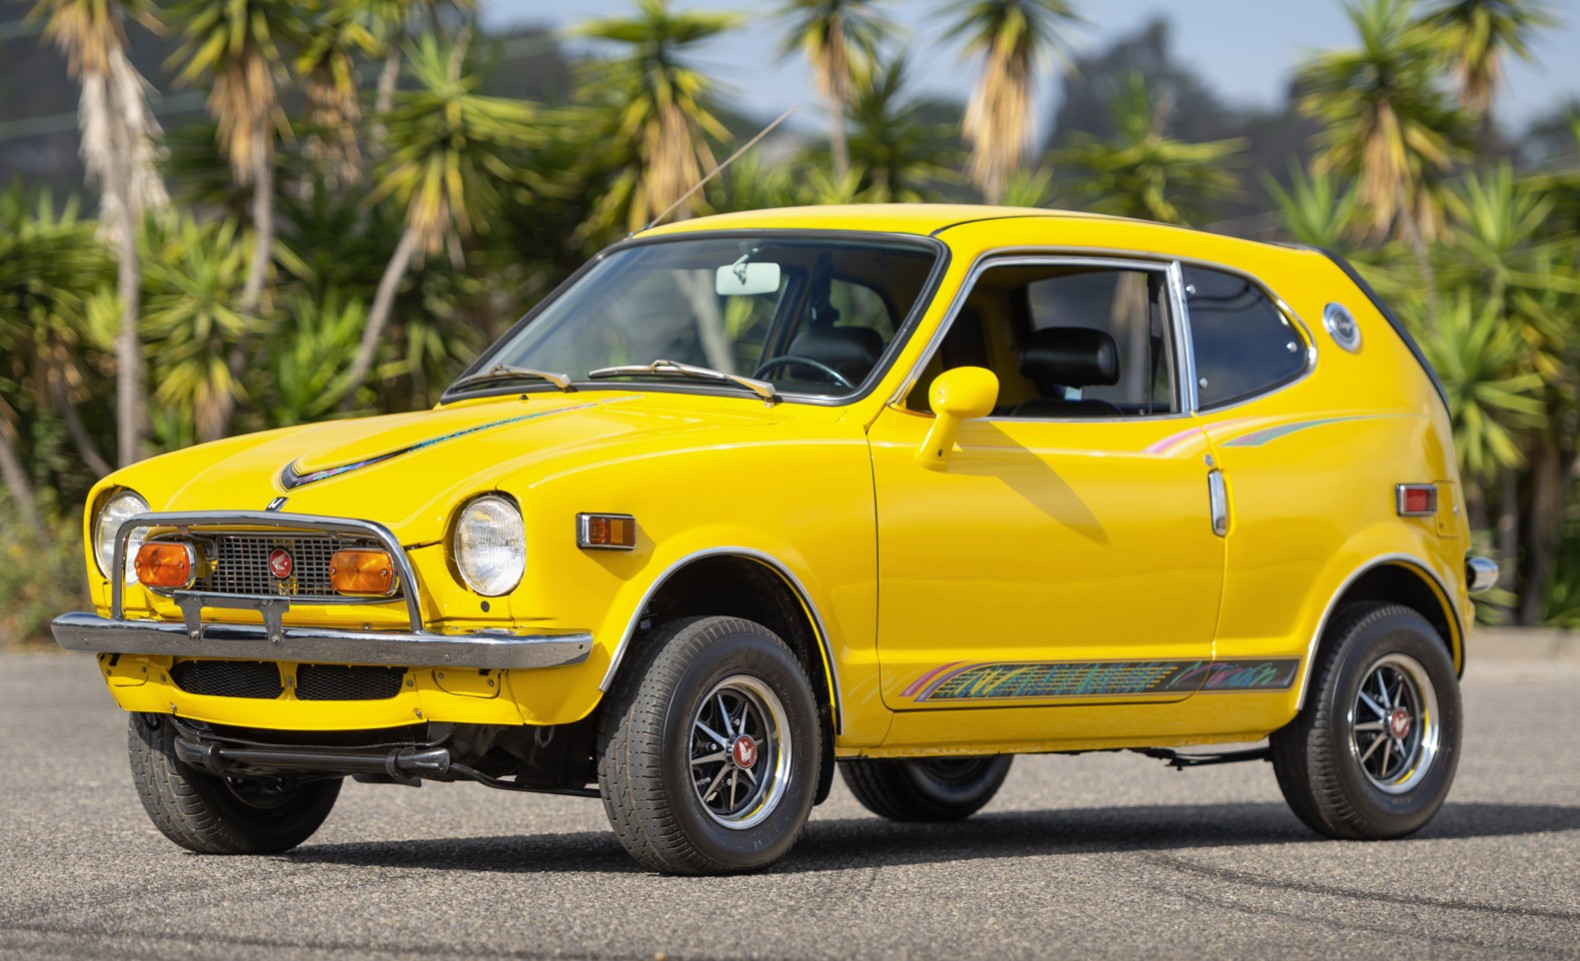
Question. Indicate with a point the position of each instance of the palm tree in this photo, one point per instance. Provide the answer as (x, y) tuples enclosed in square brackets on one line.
[(118, 151), (1388, 123), (840, 39), (660, 120), (339, 31), (233, 47), (1144, 173), (900, 153), (1012, 37), (1480, 33), (193, 325), (1314, 210), (449, 147)]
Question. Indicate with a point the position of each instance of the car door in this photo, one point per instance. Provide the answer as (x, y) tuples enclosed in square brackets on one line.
[(1067, 553)]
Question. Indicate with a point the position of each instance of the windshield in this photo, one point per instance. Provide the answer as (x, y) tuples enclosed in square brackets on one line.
[(809, 316)]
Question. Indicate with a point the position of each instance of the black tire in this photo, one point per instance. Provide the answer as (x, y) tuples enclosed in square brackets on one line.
[(662, 813), (1326, 760), (926, 789), (213, 815)]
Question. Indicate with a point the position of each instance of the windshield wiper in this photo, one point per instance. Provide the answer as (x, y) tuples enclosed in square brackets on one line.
[(761, 388), (507, 371)]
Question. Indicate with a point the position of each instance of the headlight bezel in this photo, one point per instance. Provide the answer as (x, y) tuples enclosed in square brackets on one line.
[(506, 519), (104, 540)]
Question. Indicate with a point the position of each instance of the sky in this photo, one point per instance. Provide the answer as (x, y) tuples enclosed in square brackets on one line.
[(1245, 49)]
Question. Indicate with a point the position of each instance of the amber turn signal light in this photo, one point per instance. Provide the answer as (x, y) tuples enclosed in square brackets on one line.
[(611, 532), (165, 564), (362, 572)]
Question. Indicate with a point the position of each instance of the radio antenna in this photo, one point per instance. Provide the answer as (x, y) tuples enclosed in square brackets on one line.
[(715, 171)]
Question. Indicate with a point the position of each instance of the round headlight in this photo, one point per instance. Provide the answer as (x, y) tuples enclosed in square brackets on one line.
[(490, 545), (115, 512)]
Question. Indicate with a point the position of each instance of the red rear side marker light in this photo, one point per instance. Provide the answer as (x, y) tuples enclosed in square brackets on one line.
[(1416, 500)]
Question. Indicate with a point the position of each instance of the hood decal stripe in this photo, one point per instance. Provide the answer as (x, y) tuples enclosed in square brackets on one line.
[(291, 477)]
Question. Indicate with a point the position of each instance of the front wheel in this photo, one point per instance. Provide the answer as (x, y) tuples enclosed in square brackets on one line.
[(926, 789), (221, 815), (709, 751), (1374, 752)]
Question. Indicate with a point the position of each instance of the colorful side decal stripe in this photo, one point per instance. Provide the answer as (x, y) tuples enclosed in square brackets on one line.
[(1003, 681), (291, 478), (1257, 438)]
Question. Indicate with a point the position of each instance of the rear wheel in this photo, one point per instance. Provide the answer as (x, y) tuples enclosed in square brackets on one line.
[(1373, 754), (221, 815), (927, 789), (709, 752)]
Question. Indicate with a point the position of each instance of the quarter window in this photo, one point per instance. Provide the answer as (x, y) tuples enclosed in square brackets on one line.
[(1244, 344)]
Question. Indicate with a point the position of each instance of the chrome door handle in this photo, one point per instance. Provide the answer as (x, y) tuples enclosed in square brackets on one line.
[(1218, 502)]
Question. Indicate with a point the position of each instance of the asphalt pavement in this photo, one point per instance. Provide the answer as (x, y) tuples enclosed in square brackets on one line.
[(1096, 856)]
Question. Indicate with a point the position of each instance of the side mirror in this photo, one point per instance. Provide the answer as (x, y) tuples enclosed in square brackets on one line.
[(957, 395)]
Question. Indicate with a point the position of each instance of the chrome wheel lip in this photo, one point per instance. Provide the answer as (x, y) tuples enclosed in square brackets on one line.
[(773, 755), (1404, 683)]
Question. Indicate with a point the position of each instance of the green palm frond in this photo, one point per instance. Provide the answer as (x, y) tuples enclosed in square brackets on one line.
[(1479, 34), (1145, 174), (1314, 210), (1386, 121), (656, 113)]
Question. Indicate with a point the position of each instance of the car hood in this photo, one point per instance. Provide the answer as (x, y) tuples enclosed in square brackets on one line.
[(407, 471)]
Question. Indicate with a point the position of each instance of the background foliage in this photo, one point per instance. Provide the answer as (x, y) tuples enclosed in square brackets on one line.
[(353, 197)]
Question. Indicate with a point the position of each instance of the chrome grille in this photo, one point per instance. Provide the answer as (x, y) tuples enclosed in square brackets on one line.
[(239, 563)]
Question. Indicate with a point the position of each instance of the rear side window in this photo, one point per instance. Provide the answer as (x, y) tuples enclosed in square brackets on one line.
[(1244, 345)]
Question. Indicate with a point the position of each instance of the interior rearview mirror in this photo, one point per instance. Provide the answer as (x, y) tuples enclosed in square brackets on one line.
[(736, 280), (956, 395)]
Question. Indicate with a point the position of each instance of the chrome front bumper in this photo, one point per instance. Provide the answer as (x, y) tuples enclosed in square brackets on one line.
[(85, 631)]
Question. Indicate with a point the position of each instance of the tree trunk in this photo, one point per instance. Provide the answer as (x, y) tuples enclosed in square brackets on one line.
[(262, 221), (389, 77), (379, 315), (1509, 539), (131, 381), (1423, 262), (1545, 520), (838, 149), (79, 433), (15, 477)]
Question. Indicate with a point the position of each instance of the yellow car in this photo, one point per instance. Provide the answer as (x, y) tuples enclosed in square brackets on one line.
[(907, 490)]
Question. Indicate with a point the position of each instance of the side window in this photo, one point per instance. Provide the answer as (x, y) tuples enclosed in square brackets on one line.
[(1067, 341), (1098, 310), (1244, 344)]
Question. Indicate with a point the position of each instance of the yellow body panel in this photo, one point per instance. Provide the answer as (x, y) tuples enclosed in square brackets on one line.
[(1037, 543)]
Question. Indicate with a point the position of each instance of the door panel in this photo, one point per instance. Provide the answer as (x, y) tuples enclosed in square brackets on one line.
[(1051, 562)]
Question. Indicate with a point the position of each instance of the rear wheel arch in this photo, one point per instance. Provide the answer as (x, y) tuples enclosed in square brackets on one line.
[(1398, 580)]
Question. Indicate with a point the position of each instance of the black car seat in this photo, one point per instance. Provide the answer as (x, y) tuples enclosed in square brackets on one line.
[(853, 351), (1058, 357)]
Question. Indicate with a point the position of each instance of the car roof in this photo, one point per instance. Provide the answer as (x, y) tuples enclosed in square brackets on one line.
[(919, 219)]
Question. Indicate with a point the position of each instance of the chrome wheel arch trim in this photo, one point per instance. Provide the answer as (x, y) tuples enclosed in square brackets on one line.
[(767, 560), (1381, 560)]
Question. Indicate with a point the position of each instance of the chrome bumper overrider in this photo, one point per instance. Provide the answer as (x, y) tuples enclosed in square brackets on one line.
[(85, 631)]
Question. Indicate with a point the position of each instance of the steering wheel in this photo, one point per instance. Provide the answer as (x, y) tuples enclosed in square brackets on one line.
[(817, 365)]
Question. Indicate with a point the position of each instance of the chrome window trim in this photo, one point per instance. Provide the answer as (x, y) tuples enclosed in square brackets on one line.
[(1355, 575), (1021, 257), (765, 559)]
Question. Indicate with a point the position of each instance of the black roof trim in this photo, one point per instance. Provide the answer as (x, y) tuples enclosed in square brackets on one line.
[(1392, 318)]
